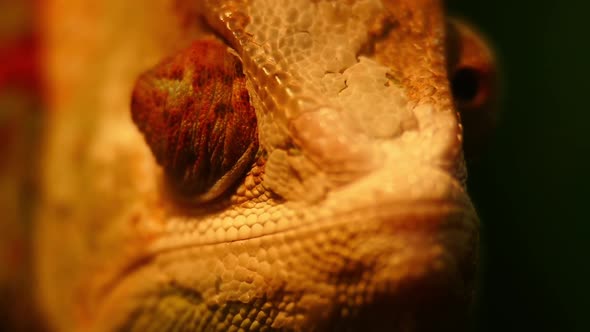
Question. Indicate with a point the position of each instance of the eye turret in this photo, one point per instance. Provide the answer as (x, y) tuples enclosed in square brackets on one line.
[(195, 114)]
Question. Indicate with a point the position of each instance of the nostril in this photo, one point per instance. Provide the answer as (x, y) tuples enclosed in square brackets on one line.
[(473, 90), (466, 85)]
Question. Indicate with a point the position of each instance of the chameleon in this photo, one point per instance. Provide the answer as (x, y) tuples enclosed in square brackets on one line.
[(256, 165)]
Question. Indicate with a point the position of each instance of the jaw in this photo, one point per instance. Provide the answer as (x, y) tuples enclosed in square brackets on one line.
[(366, 276), (363, 257)]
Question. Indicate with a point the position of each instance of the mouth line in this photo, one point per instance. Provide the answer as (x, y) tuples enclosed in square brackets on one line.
[(423, 213), (427, 210)]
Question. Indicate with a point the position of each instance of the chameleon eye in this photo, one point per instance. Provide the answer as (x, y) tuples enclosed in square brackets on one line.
[(195, 114), (473, 79)]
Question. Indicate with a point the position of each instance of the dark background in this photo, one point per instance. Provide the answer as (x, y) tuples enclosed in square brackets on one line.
[(531, 187)]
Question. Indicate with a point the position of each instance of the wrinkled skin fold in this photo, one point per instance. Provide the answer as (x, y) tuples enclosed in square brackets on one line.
[(352, 216)]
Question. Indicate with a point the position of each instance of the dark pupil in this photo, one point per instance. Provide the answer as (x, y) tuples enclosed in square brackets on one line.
[(465, 84)]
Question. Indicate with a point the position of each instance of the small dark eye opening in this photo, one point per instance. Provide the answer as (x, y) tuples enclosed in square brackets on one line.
[(466, 85)]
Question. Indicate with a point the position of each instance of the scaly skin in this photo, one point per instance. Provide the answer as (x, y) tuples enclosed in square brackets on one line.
[(353, 217)]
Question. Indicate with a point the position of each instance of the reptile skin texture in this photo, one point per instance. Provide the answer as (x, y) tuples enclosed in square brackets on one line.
[(352, 216)]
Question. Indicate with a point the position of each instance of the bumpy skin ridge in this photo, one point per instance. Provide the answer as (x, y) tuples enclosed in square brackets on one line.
[(351, 218)]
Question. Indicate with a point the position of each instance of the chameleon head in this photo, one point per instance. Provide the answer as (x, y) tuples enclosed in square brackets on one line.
[(348, 208)]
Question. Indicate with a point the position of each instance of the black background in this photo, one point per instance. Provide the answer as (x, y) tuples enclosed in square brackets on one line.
[(532, 186)]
